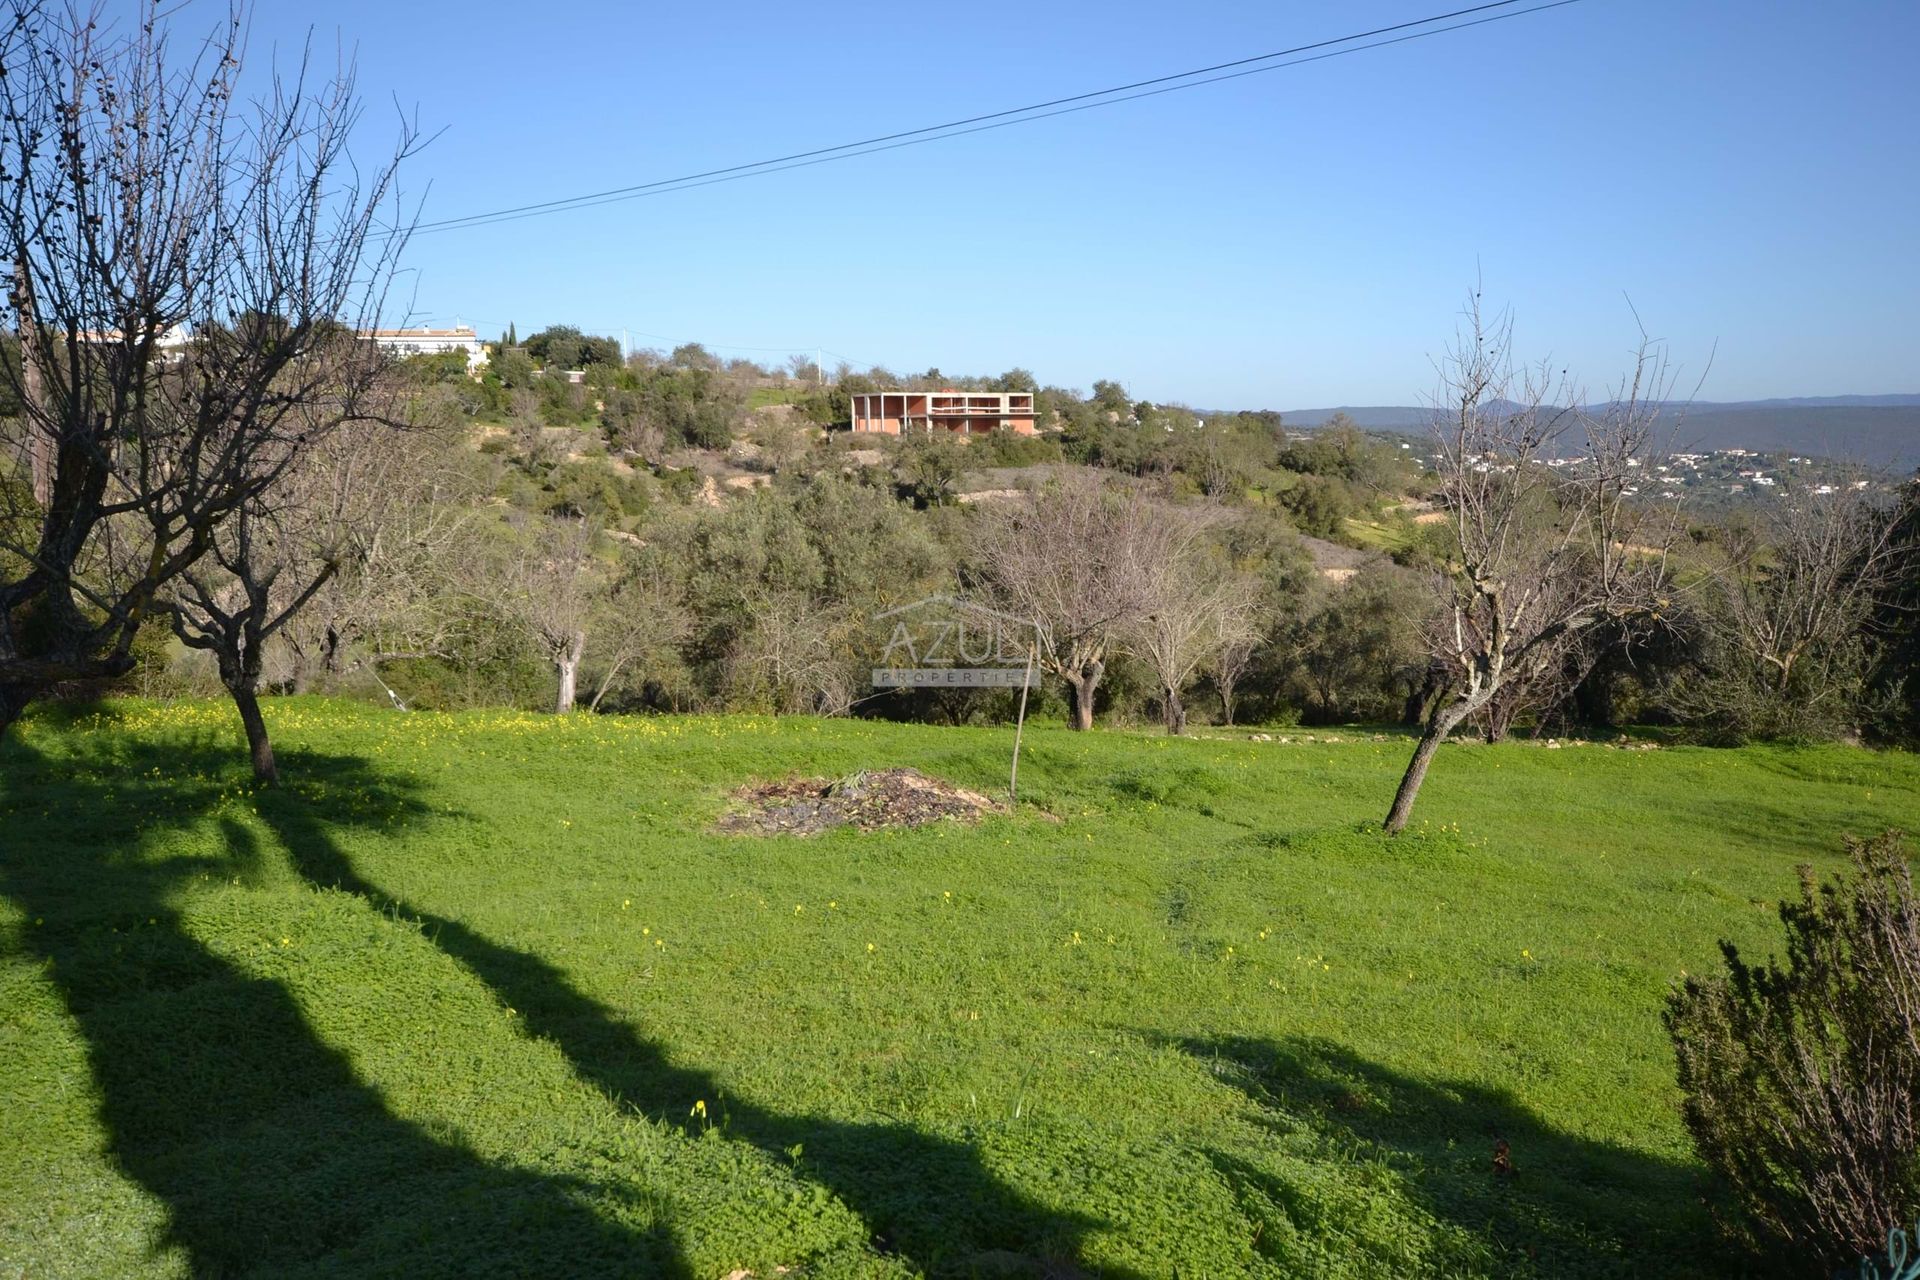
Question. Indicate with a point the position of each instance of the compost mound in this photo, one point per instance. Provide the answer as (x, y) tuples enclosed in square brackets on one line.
[(871, 800)]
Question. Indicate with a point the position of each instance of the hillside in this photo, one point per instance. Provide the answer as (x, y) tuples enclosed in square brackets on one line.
[(478, 989), (1876, 435)]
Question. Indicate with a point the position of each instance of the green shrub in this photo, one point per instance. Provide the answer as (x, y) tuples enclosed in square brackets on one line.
[(1006, 449), (591, 488), (1802, 1084)]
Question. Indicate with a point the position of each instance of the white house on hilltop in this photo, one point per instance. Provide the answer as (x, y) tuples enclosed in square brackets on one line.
[(401, 343), (170, 344)]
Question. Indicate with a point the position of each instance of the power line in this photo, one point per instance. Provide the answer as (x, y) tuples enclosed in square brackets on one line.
[(994, 115), (1011, 116)]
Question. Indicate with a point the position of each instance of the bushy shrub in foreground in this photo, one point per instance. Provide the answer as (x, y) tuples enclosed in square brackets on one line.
[(1802, 1082)]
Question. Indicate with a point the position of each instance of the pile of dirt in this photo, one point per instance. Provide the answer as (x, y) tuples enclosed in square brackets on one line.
[(870, 800)]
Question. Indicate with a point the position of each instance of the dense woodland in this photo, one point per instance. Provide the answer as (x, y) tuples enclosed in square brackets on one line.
[(675, 532)]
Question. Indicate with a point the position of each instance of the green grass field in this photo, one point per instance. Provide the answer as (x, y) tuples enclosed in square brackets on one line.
[(479, 995), (761, 397), (1388, 535)]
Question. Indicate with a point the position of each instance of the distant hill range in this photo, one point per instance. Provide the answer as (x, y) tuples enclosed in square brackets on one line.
[(1879, 431)]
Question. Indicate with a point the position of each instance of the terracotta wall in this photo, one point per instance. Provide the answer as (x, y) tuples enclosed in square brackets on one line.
[(889, 412)]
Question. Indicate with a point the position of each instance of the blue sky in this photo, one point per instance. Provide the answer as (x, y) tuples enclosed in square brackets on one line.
[(1748, 171)]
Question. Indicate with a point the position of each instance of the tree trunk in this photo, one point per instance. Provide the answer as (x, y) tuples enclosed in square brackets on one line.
[(1443, 722), (259, 747), (1080, 685), (1226, 703), (330, 652), (1415, 708), (568, 664), (1593, 699), (1499, 723), (13, 701), (1174, 711)]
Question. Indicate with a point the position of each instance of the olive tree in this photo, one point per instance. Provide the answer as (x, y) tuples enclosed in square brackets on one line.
[(643, 623)]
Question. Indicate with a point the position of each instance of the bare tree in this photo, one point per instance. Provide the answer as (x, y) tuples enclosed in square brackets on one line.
[(1226, 666), (143, 202), (1782, 626), (261, 570), (1070, 561), (1541, 552), (1193, 605), (399, 582), (793, 654), (554, 590), (274, 556)]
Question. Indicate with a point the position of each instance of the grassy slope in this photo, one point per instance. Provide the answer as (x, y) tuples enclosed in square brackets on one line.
[(446, 1004), (1380, 535), (761, 397)]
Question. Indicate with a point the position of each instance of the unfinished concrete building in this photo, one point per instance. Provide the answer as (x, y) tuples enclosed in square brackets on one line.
[(893, 413)]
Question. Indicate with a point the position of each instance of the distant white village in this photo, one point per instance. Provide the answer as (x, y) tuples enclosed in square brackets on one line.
[(1719, 467)]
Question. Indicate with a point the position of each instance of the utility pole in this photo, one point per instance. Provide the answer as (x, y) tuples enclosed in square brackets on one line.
[(39, 440), (819, 368)]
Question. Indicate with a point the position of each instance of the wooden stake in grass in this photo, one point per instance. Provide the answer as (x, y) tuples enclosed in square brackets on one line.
[(1020, 723)]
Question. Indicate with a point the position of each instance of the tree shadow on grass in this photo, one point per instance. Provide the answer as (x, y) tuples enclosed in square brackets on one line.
[(926, 1199), (270, 1154), (1569, 1206)]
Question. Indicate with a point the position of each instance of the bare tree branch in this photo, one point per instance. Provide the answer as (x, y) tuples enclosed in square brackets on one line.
[(186, 269), (1546, 547)]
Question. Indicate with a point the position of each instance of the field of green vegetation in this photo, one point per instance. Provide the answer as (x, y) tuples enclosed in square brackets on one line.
[(480, 994)]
